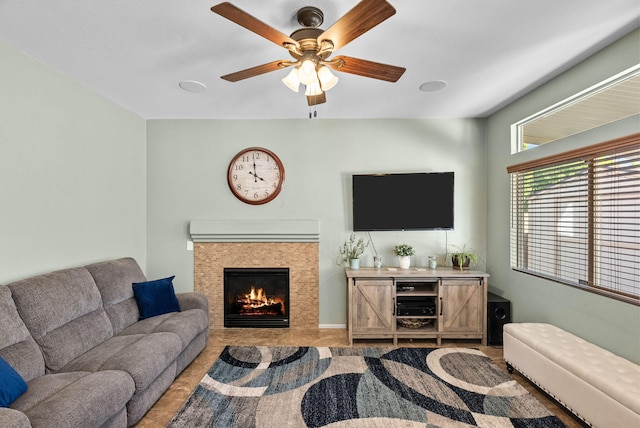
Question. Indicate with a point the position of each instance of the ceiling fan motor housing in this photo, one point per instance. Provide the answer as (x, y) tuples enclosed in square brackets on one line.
[(310, 16), (307, 39)]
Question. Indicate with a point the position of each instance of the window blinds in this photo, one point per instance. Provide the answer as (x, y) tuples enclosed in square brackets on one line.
[(575, 218)]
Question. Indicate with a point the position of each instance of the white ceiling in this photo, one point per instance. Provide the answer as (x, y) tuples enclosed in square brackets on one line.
[(489, 52)]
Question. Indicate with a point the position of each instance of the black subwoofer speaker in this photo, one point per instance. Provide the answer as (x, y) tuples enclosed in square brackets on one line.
[(498, 314)]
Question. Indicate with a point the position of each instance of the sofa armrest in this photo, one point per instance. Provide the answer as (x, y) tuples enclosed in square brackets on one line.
[(13, 418), (193, 300)]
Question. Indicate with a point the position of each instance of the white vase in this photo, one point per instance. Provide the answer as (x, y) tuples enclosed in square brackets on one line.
[(354, 263), (405, 262)]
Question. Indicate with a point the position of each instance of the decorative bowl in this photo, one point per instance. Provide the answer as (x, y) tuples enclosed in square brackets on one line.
[(413, 322)]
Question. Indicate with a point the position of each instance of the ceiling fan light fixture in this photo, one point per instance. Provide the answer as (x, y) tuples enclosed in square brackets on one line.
[(307, 72), (313, 89), (327, 79), (292, 81)]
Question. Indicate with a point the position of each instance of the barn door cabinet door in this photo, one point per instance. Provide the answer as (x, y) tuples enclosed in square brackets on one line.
[(372, 307), (461, 305)]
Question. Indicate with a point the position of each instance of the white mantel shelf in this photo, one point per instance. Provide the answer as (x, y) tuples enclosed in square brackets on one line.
[(255, 230)]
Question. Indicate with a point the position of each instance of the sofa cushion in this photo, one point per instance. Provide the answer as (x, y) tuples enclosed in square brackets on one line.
[(12, 326), (155, 297), (114, 279), (187, 325), (77, 399), (143, 356), (62, 330), (14, 418), (17, 346), (12, 385)]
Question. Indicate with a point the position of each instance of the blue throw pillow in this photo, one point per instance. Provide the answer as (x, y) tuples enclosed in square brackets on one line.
[(12, 385), (156, 297)]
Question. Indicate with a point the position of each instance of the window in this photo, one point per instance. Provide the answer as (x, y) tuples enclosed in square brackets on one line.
[(614, 99), (575, 218)]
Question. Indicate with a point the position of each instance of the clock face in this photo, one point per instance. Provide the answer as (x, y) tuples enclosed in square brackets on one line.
[(255, 175)]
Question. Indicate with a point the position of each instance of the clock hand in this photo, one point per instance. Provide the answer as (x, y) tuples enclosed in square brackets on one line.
[(255, 176)]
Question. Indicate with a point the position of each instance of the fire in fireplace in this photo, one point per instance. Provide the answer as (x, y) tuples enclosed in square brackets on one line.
[(256, 297)]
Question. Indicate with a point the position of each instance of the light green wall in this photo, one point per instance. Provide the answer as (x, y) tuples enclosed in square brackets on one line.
[(72, 172), (609, 323), (188, 160)]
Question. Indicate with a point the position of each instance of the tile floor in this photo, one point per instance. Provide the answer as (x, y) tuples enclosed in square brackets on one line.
[(162, 412)]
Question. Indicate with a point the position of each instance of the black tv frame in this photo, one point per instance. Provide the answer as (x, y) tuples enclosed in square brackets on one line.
[(403, 201)]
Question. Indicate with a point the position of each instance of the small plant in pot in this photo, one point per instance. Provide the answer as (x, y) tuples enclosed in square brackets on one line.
[(463, 256), (404, 253), (351, 250)]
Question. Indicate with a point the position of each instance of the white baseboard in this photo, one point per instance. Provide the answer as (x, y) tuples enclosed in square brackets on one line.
[(333, 326)]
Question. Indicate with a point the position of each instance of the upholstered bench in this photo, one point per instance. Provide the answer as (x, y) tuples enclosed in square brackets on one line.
[(599, 387)]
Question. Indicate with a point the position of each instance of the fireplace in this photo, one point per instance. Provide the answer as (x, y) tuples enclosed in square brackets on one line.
[(292, 244), (256, 297)]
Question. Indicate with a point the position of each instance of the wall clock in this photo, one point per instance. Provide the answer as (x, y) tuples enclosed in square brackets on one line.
[(255, 175)]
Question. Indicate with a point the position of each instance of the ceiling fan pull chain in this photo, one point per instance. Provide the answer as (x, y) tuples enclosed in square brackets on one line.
[(313, 114)]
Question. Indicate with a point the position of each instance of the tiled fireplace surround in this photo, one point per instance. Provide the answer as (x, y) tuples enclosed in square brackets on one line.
[(291, 244)]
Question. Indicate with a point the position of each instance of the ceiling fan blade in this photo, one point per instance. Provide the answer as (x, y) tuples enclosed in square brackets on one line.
[(255, 71), (242, 18), (365, 68), (313, 100), (362, 18)]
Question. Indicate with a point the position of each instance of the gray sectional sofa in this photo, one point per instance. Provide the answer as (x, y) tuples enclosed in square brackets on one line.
[(75, 336)]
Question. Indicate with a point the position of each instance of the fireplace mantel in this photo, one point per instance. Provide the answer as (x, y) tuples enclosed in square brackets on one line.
[(255, 230)]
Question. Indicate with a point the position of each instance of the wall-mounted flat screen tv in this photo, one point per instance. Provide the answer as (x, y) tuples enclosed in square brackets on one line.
[(403, 201)]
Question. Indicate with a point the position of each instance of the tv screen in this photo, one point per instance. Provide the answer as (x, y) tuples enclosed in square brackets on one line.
[(410, 201)]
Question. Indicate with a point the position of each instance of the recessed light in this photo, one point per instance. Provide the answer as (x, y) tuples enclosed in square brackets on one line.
[(432, 86), (193, 86)]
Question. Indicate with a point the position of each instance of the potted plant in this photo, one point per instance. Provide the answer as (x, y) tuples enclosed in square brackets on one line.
[(351, 250), (404, 253), (463, 256)]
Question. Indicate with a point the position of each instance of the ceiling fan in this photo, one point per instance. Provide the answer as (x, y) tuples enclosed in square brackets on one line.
[(311, 47)]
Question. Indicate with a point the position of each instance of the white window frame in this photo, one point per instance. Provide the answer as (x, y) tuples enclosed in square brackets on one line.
[(517, 129)]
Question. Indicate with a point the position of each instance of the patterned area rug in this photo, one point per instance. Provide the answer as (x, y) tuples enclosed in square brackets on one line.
[(274, 387)]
